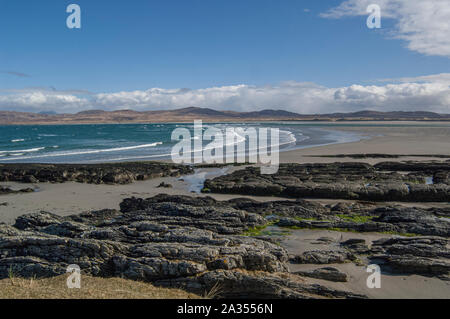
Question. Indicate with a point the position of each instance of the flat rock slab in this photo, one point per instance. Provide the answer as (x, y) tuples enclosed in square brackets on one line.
[(382, 182), (115, 173), (326, 273)]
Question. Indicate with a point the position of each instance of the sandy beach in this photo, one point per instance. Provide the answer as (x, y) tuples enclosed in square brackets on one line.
[(398, 140)]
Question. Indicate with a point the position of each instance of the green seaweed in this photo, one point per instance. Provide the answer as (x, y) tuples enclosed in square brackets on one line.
[(359, 219), (261, 231)]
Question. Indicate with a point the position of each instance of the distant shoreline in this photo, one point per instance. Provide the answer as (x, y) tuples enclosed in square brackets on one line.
[(190, 114), (337, 122)]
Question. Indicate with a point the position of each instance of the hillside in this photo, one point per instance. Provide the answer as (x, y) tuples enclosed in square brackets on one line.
[(208, 115)]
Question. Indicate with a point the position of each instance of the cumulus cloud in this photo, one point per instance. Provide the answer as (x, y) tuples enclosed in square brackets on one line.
[(403, 97), (40, 100), (424, 24), (424, 93), (239, 97)]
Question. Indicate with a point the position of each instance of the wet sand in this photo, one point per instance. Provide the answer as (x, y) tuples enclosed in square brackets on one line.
[(74, 198), (404, 140)]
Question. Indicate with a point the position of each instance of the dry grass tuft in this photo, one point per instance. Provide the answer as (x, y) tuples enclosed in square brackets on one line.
[(214, 292), (91, 288)]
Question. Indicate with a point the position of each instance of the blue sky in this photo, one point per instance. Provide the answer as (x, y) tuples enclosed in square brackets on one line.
[(197, 44)]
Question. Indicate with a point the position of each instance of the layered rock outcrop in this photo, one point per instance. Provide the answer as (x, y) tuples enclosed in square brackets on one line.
[(173, 241), (408, 181), (116, 173)]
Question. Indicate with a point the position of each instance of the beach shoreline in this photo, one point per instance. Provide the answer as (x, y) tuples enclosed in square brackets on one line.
[(71, 197), (102, 144)]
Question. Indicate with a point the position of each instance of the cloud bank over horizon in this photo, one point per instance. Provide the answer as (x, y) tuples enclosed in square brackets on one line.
[(423, 93)]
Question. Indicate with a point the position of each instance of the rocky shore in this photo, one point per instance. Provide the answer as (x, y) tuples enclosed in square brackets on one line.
[(379, 155), (385, 181), (200, 244), (241, 247), (170, 241), (116, 173)]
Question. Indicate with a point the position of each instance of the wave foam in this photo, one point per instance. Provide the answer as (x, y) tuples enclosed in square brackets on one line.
[(117, 149), (30, 150)]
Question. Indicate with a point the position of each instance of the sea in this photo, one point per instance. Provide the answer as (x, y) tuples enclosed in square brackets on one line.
[(94, 143)]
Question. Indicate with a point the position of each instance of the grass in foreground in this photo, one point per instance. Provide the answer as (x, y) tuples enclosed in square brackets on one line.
[(91, 288)]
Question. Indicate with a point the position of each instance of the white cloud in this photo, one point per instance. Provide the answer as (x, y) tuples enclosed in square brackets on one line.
[(42, 100), (404, 96), (425, 93), (424, 24)]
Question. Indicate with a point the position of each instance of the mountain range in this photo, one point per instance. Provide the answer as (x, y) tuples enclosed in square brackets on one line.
[(190, 114)]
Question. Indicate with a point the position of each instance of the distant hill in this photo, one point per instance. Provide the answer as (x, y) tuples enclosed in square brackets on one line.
[(190, 114), (48, 112), (91, 112)]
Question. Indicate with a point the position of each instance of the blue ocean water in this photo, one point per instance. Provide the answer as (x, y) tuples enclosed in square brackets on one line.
[(133, 142)]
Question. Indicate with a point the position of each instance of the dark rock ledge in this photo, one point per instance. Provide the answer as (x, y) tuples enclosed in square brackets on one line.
[(387, 181), (8, 190), (379, 155), (171, 242), (356, 216), (115, 173), (427, 246), (326, 273), (428, 256)]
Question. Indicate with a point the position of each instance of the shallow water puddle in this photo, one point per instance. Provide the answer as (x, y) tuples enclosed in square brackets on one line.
[(197, 180)]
